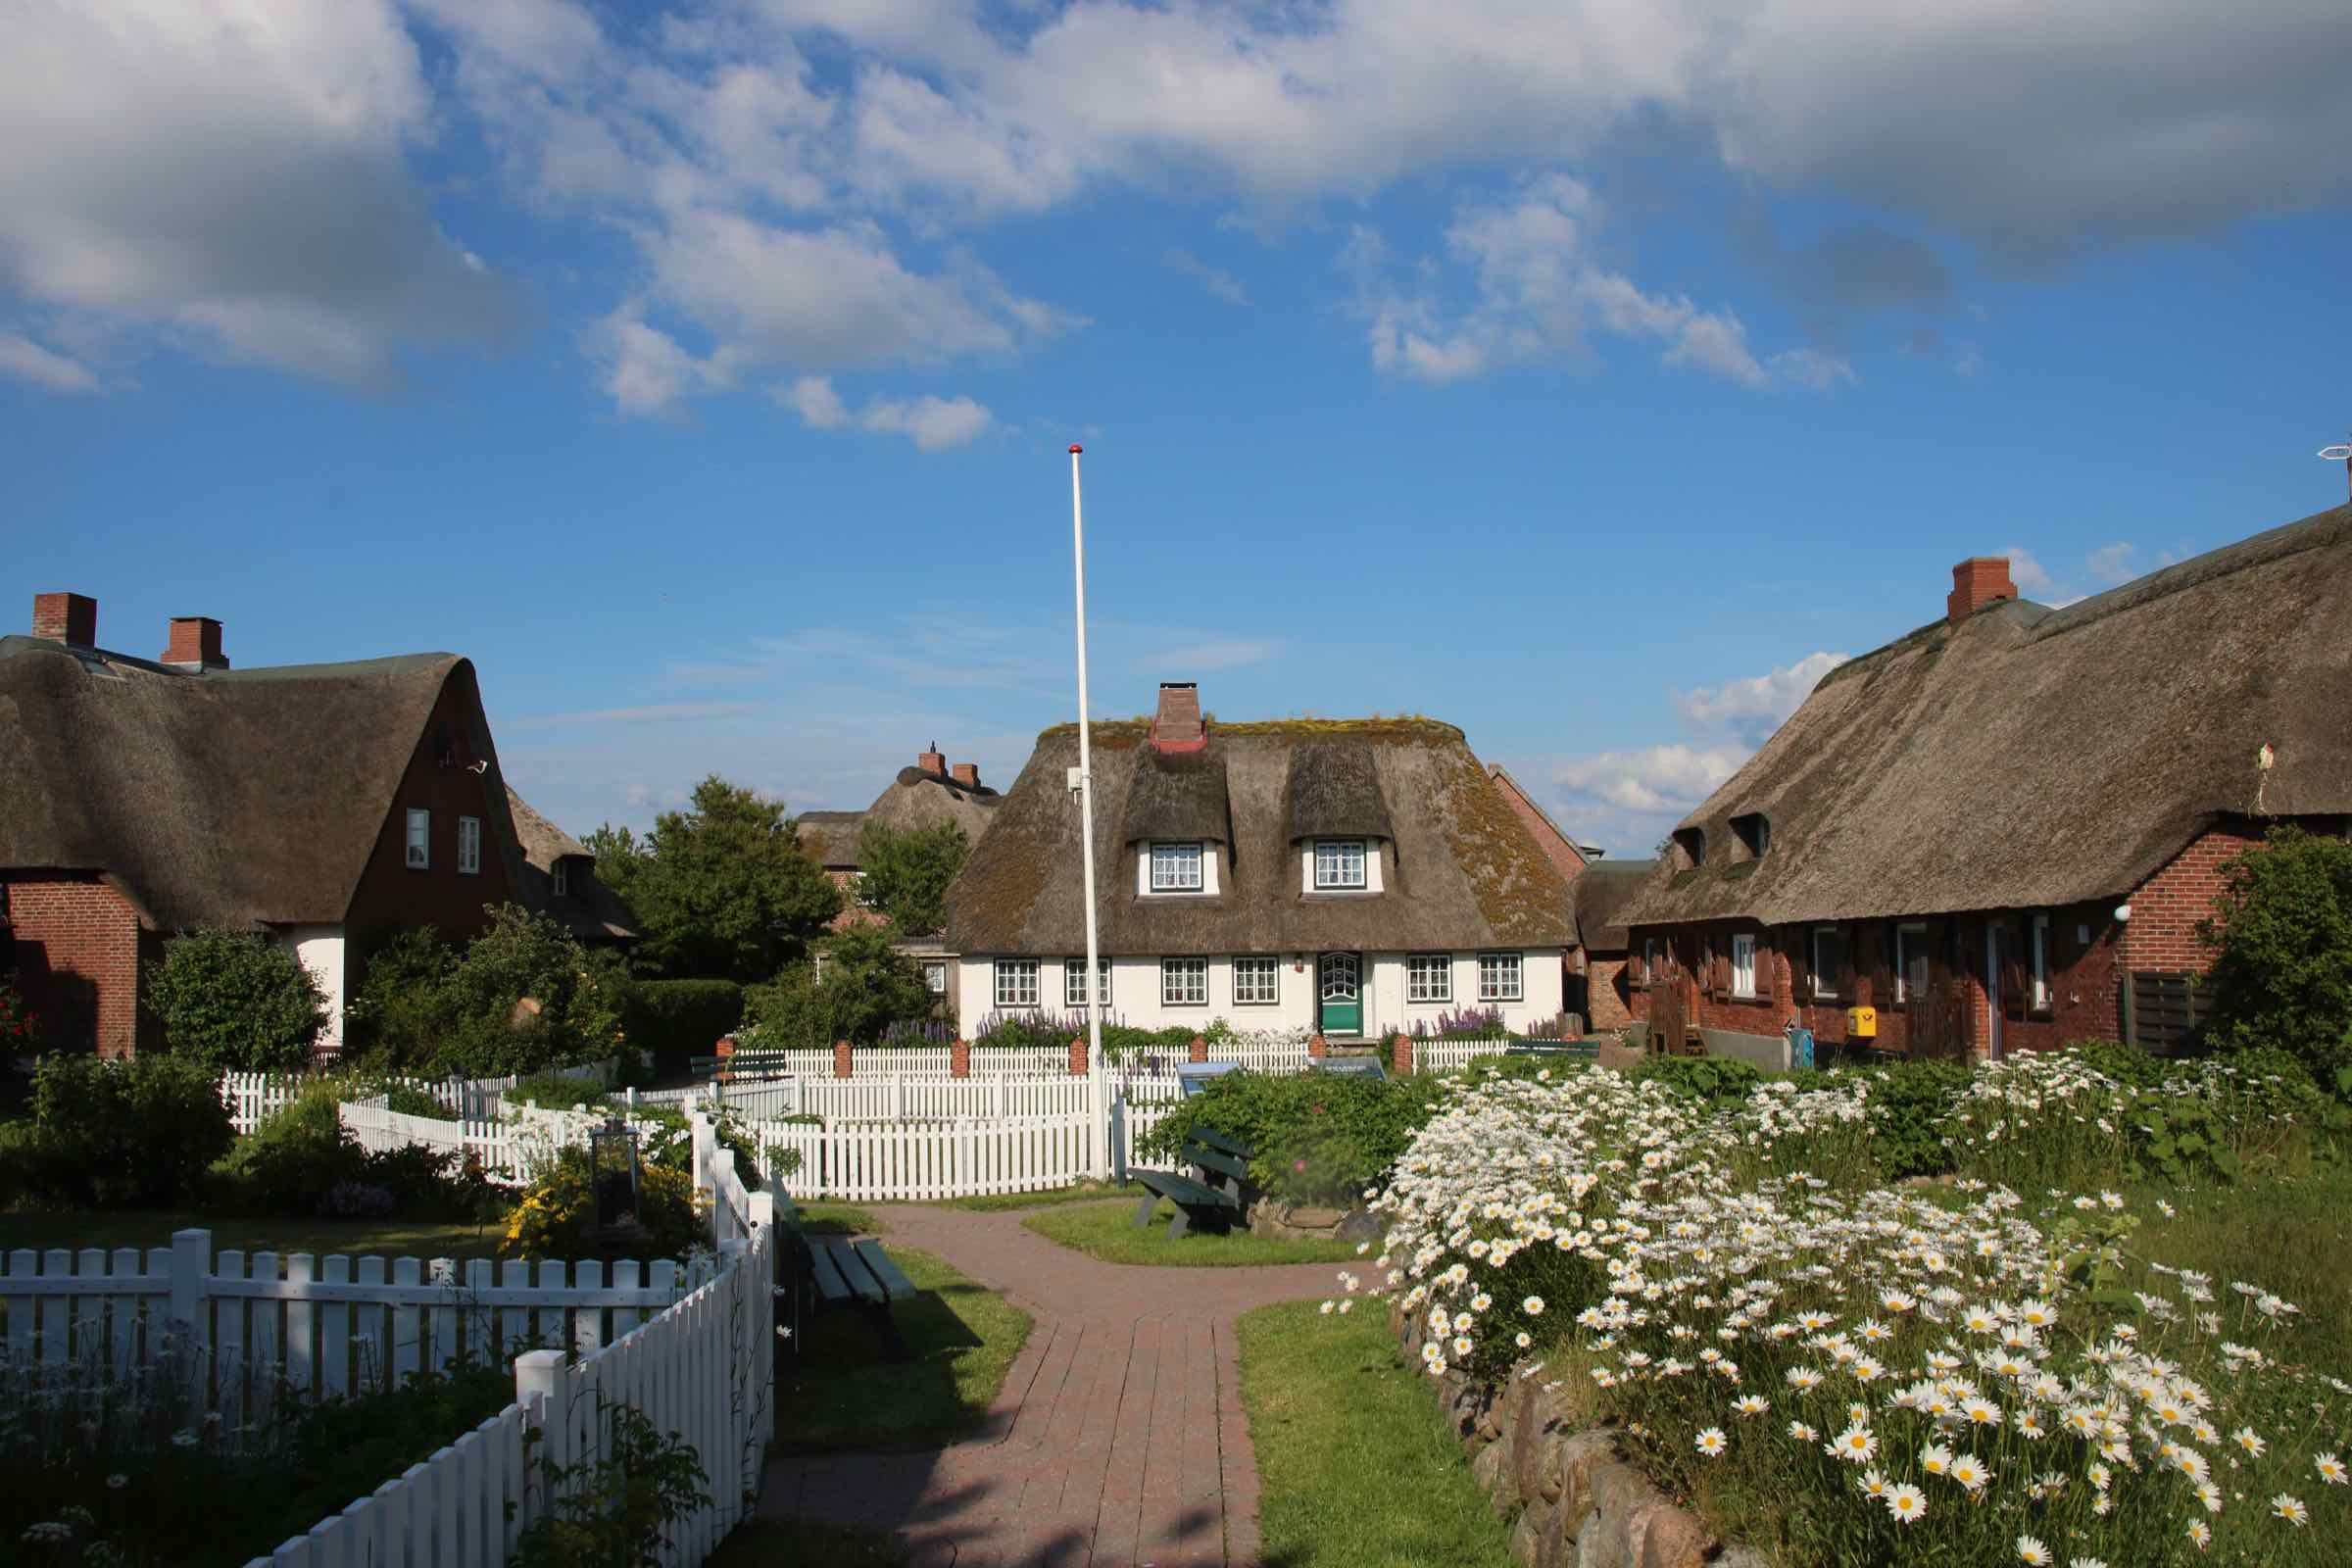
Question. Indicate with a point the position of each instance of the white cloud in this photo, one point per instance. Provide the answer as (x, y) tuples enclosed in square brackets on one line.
[(2031, 578), (2112, 564), (1219, 282), (932, 424), (27, 360), (234, 175), (1754, 707), (1810, 367), (1655, 780)]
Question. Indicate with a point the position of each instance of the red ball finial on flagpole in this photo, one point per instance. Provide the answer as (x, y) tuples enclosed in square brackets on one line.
[(1075, 449)]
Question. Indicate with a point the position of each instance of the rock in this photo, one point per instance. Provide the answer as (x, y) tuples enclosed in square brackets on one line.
[(1526, 1534), (1361, 1226), (1557, 1549), (1547, 1480), (1742, 1558), (1579, 1455), (1492, 1470), (1671, 1537)]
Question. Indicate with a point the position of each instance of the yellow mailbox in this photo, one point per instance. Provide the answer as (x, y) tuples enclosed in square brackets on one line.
[(1862, 1023)]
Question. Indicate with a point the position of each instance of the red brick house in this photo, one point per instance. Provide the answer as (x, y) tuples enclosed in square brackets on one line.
[(1594, 970), (2000, 830), (143, 796)]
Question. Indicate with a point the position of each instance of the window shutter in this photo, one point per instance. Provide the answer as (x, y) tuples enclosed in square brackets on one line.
[(2016, 975), (1882, 964), (1800, 965)]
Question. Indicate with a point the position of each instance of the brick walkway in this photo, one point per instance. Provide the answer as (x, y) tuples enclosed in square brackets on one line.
[(1118, 1440)]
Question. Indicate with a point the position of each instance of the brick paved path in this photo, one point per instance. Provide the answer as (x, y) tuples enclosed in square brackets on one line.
[(1118, 1440)]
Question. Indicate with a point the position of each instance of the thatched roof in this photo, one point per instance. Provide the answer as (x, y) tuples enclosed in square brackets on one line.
[(830, 838), (1599, 892), (234, 798), (1177, 795), (1466, 872), (2034, 758), (1334, 792), (588, 908)]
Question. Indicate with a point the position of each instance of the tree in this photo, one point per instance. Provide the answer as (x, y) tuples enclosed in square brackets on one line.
[(722, 890), (524, 996), (2282, 939), (907, 874), (866, 988), (620, 857), (237, 1001)]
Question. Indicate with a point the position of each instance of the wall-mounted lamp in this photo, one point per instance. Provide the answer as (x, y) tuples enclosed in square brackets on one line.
[(2123, 913)]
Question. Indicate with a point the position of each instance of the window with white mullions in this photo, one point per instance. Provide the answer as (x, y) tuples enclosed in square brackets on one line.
[(1184, 982), (1016, 982), (1176, 868), (421, 839), (1257, 982), (1499, 977), (470, 846), (2040, 979), (1743, 964), (1910, 962), (1073, 982), (1340, 864), (1429, 977)]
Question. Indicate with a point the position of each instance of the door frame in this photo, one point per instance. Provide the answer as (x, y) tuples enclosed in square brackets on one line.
[(1993, 999)]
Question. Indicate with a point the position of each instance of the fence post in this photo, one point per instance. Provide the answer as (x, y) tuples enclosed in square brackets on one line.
[(1118, 1137), (191, 1324), (1316, 1048), (843, 1066), (543, 1388), (1198, 1050), (898, 1096), (1400, 1055), (1078, 1059), (959, 1058)]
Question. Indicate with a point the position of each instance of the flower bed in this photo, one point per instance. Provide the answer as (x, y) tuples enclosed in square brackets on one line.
[(1847, 1371)]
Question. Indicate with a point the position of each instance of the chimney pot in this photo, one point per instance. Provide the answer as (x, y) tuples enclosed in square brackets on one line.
[(194, 645), (967, 775), (1177, 727), (1978, 581), (69, 619), (932, 762)]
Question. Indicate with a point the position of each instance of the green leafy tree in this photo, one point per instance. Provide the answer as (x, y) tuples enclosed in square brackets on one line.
[(236, 1000), (621, 857), (2282, 945), (522, 997), (907, 874), (722, 890), (864, 989)]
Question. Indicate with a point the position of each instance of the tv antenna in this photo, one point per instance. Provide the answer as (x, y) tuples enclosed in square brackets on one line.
[(2341, 450)]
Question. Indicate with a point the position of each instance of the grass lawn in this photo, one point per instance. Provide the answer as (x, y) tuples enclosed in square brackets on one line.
[(805, 1543), (1108, 1231), (846, 1394), (150, 1227), (838, 1220), (1355, 1466), (997, 1202), (2286, 1229)]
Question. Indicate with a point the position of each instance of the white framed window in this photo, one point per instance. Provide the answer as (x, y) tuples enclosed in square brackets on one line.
[(1257, 982), (1338, 863), (421, 839), (1176, 868), (1429, 977), (470, 846), (2039, 980), (1910, 961), (1650, 960), (1073, 982), (1828, 961), (1743, 963), (935, 979), (1499, 977), (1016, 982), (562, 875), (1183, 982)]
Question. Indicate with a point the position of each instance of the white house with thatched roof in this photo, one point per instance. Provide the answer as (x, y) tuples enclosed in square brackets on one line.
[(1357, 877)]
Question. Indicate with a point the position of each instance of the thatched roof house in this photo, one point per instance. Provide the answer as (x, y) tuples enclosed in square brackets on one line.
[(559, 879), (144, 797), (2016, 773), (923, 796), (1279, 843)]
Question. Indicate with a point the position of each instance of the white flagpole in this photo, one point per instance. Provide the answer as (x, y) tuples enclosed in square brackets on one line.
[(1097, 1093)]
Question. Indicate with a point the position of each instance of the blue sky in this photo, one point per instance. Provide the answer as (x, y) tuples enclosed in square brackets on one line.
[(1591, 376)]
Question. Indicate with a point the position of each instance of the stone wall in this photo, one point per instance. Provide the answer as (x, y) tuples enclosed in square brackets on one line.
[(1539, 1452)]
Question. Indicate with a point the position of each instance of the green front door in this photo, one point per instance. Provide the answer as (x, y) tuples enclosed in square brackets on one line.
[(1343, 995)]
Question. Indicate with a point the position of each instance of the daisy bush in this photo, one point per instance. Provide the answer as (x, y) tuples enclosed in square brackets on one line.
[(1849, 1371)]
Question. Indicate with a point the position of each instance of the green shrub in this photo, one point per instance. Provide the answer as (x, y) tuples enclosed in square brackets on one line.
[(615, 1511), (2282, 945), (410, 1100), (294, 1158), (402, 1011), (676, 1020), (551, 1090), (1316, 1136), (236, 1000), (866, 989), (524, 996), (2127, 1065), (1909, 1100), (556, 1217), (19, 1025), (1710, 1080), (140, 1132)]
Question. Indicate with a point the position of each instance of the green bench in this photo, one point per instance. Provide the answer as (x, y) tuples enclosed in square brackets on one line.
[(1555, 1050), (1212, 1196), (835, 1271)]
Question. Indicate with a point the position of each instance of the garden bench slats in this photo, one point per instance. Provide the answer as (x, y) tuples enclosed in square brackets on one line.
[(835, 1285), (840, 1272), (1213, 1139), (1213, 1160), (886, 1271), (1211, 1153)]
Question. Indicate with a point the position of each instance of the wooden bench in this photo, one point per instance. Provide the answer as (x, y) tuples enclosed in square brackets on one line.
[(1555, 1050), (835, 1271), (1213, 1196)]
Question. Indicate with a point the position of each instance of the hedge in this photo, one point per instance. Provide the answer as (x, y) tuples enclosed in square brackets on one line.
[(679, 1020)]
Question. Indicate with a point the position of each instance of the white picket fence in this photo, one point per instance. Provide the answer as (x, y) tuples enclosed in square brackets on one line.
[(509, 1148), (1443, 1055), (922, 1098), (926, 1161), (1263, 1052), (253, 1097)]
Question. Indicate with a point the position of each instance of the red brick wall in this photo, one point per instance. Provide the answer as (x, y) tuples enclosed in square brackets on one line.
[(79, 956), (2167, 906), (391, 894), (1606, 994)]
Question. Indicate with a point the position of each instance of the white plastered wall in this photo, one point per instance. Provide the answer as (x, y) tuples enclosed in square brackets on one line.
[(321, 950)]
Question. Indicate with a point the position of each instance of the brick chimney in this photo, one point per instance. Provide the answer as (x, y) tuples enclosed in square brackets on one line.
[(195, 645), (1177, 727), (932, 762), (66, 619), (1978, 581), (967, 775)]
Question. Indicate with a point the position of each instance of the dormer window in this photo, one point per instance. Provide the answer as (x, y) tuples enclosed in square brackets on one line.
[(1756, 832), (1176, 868), (1693, 842), (1338, 864)]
